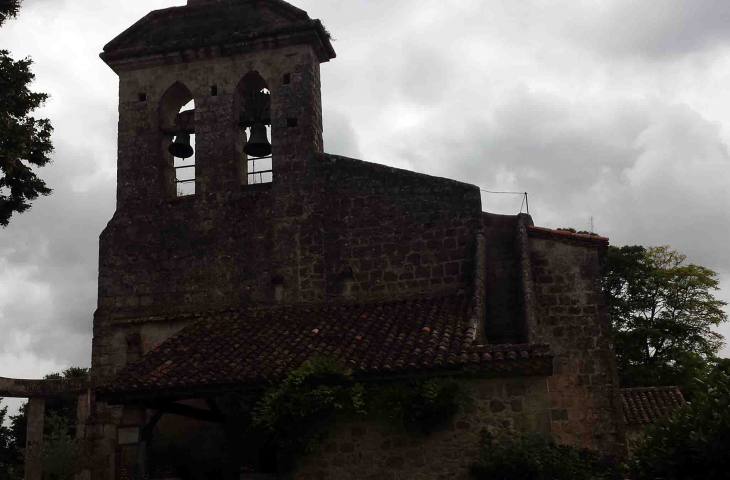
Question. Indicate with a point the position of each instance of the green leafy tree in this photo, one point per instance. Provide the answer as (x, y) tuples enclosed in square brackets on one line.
[(60, 451), (8, 9), (11, 456), (663, 311), (25, 142), (691, 442)]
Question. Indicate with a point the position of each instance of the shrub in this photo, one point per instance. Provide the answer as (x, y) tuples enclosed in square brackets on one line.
[(691, 442), (535, 457)]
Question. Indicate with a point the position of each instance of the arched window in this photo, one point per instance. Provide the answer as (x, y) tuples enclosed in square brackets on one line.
[(252, 110), (177, 118)]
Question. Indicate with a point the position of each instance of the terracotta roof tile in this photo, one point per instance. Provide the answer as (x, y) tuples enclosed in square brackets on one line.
[(642, 406), (568, 237), (241, 347)]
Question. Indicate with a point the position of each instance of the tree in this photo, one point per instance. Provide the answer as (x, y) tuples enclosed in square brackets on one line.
[(24, 141), (663, 311), (11, 457)]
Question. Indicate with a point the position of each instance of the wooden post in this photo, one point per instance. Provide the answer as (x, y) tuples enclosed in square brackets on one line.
[(34, 442)]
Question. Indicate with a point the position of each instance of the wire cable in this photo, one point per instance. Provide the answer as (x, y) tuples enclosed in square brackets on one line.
[(525, 201)]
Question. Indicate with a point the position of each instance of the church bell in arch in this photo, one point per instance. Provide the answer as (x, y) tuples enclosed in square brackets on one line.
[(258, 145), (181, 148), (257, 115)]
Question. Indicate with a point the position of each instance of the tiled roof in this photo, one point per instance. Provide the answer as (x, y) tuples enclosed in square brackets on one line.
[(242, 347), (567, 236), (212, 24), (642, 406)]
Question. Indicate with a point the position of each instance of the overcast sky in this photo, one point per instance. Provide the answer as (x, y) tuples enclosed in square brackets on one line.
[(612, 109)]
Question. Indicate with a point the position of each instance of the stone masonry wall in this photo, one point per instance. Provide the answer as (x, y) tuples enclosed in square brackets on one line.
[(378, 450), (325, 229), (392, 232), (572, 319), (369, 232)]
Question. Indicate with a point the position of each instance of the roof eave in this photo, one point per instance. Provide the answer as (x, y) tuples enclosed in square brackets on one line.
[(540, 365), (119, 59)]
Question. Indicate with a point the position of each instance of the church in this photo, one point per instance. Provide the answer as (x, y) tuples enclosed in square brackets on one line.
[(240, 250)]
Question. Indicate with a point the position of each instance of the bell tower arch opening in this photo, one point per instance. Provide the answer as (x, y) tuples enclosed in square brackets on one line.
[(252, 111), (177, 122)]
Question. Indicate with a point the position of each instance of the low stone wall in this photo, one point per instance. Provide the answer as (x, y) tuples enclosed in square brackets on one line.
[(357, 449)]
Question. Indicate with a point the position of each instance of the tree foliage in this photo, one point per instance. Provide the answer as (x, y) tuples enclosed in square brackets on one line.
[(11, 456), (8, 9), (663, 311), (25, 142), (691, 442)]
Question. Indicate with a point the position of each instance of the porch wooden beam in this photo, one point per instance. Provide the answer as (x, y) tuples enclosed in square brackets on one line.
[(147, 429)]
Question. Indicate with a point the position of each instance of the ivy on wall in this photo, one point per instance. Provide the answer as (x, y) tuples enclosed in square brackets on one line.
[(295, 414)]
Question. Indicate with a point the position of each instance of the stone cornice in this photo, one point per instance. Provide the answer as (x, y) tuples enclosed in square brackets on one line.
[(26, 388)]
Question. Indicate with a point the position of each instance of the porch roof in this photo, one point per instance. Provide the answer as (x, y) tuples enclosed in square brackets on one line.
[(249, 347)]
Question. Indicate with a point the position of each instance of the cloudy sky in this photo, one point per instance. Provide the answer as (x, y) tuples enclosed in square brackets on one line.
[(614, 110)]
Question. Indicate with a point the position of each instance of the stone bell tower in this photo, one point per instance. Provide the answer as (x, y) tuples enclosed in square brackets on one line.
[(214, 52), (215, 230), (177, 242)]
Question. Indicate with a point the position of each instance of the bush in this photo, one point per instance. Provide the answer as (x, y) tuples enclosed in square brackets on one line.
[(535, 457), (691, 442)]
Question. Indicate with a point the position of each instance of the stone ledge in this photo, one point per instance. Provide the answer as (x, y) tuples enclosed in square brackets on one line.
[(26, 388)]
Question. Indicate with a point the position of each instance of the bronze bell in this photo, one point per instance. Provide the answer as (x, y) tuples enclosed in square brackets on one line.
[(258, 145), (181, 148)]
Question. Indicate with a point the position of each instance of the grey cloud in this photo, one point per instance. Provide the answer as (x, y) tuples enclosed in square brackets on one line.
[(679, 184), (549, 144), (649, 173), (653, 29), (426, 72), (56, 245), (340, 137)]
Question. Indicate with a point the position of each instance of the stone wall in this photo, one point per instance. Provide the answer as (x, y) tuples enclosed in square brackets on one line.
[(572, 318), (372, 232), (379, 450), (326, 226), (393, 232)]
